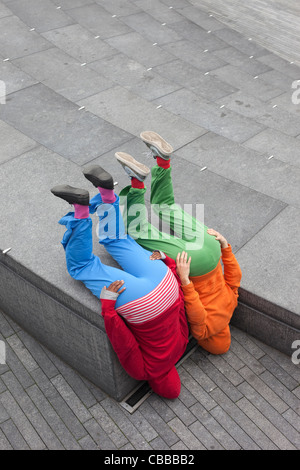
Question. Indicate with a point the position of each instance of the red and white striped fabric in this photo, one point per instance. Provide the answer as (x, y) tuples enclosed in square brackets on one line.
[(153, 304)]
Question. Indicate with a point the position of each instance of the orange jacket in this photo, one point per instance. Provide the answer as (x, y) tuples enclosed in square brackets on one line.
[(211, 299)]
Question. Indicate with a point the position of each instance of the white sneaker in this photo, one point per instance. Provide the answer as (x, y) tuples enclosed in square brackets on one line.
[(158, 146), (133, 168)]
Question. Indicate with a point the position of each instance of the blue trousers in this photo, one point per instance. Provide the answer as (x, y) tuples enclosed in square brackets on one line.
[(141, 275)]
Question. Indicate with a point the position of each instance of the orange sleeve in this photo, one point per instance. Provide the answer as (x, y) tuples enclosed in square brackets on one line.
[(232, 270), (195, 311)]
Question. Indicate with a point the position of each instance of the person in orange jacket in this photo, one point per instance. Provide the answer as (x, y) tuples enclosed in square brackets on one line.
[(210, 295)]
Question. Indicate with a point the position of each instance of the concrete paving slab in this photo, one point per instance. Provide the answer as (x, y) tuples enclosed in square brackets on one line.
[(14, 78), (63, 74), (40, 15), (201, 18), (191, 53), (240, 42), (119, 8), (246, 83), (246, 105), (151, 29), (79, 43), (56, 123), (188, 76), (273, 142), (134, 114), (285, 101), (282, 65), (279, 119), (160, 11), (271, 177), (277, 79), (4, 11), (97, 20), (13, 142), (194, 33), (271, 285), (210, 116), (134, 76), (237, 58), (17, 40), (139, 49)]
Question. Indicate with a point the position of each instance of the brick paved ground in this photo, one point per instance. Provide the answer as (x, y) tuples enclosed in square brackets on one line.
[(248, 398)]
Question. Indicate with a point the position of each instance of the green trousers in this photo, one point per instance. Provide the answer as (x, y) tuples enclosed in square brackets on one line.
[(172, 229)]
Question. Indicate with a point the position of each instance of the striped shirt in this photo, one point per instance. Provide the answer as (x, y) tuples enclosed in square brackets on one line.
[(153, 304)]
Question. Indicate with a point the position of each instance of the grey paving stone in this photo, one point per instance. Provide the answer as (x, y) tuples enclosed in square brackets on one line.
[(201, 18), (280, 374), (285, 101), (271, 177), (40, 15), (280, 64), (292, 418), (71, 398), (191, 53), (56, 123), (22, 353), (197, 35), (4, 11), (209, 115), (14, 78), (240, 42), (193, 366), (108, 425), (185, 435), (139, 49), (142, 424), (17, 367), (87, 443), (204, 436), (59, 404), (52, 418), (79, 43), (277, 79), (13, 436), (128, 429), (243, 61), (160, 11), (281, 120), (97, 20), (4, 443), (151, 29), (5, 328), (17, 41), (196, 389), (159, 424), (68, 4), (4, 416), (246, 82), (270, 285), (21, 421), (259, 439), (134, 114), (245, 105), (274, 142), (188, 76), (13, 142), (134, 76), (98, 435), (265, 425), (63, 74), (32, 413), (159, 444), (161, 407), (119, 7), (181, 411)]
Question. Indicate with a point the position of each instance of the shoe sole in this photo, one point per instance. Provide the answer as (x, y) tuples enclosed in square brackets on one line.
[(72, 195), (154, 139), (134, 165), (98, 177)]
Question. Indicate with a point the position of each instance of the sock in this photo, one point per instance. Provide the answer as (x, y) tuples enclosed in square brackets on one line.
[(81, 212), (108, 195), (135, 183), (163, 163)]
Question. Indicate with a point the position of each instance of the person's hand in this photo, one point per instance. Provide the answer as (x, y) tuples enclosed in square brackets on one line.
[(115, 286), (183, 265), (222, 240), (156, 255)]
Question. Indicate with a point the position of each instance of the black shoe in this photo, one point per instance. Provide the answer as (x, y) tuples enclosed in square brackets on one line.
[(99, 177), (72, 195)]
